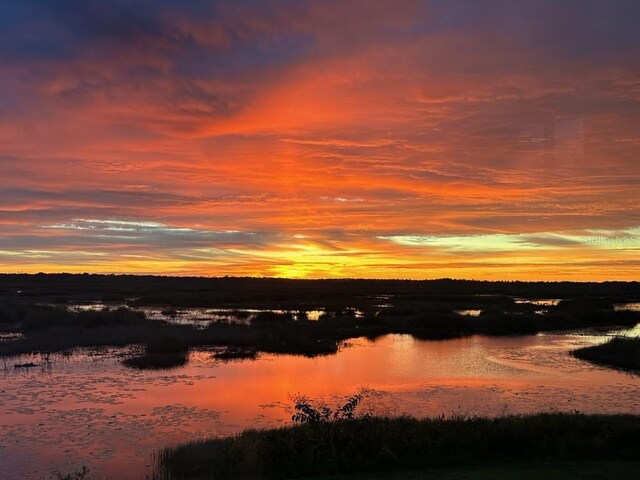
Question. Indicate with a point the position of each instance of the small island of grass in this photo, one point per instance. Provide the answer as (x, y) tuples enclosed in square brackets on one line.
[(619, 352)]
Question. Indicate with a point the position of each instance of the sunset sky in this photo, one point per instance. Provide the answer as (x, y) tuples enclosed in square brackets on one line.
[(329, 138)]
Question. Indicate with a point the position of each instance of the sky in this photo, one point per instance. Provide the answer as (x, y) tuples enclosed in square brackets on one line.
[(311, 139)]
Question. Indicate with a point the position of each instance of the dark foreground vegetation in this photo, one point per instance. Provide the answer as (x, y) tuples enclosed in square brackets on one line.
[(34, 310), (368, 445), (619, 352), (533, 470), (176, 292)]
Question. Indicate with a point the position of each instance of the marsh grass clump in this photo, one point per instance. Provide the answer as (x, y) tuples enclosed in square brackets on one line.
[(49, 329), (161, 353), (619, 352), (157, 361)]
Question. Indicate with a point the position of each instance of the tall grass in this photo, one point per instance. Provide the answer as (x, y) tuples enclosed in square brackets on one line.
[(379, 444)]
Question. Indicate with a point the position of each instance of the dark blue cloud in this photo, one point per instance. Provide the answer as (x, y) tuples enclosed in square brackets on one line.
[(261, 34), (40, 29), (565, 28)]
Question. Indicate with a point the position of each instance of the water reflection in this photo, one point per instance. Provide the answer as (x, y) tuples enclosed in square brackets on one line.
[(88, 409), (10, 336), (543, 302), (200, 317), (634, 307)]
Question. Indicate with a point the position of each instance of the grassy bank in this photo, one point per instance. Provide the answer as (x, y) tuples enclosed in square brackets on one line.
[(405, 444), (619, 352)]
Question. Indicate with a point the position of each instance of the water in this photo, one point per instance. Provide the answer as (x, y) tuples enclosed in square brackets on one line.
[(196, 316), (634, 307), (543, 302), (87, 409)]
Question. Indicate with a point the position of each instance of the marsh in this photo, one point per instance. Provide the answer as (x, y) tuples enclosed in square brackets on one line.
[(114, 379)]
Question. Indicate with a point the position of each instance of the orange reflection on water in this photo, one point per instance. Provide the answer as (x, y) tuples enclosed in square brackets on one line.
[(91, 410)]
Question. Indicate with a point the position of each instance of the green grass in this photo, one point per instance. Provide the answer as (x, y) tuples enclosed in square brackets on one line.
[(619, 352), (367, 445)]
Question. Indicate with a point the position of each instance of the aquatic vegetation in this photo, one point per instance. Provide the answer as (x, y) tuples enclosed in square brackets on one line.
[(54, 329), (619, 352), (162, 352), (157, 361), (270, 310)]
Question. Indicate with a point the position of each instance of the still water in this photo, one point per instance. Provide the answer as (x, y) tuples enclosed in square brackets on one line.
[(199, 317), (88, 409)]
